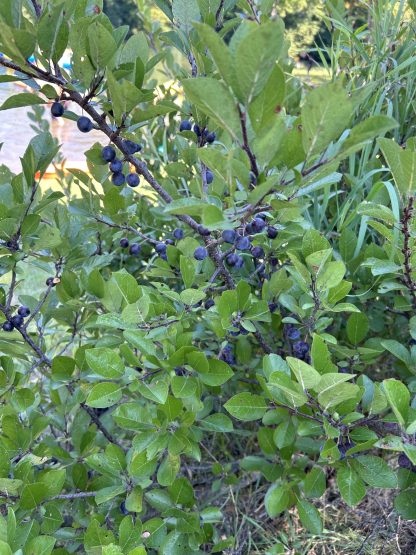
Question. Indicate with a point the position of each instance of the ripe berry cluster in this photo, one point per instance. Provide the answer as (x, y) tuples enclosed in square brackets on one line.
[(134, 248), (17, 320), (344, 445), (108, 153), (160, 247), (118, 178), (242, 242), (227, 354), (204, 135)]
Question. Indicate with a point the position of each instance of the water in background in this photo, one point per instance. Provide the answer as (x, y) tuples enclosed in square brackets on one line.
[(15, 133)]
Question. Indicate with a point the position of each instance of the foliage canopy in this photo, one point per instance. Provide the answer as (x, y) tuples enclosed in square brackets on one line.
[(245, 314)]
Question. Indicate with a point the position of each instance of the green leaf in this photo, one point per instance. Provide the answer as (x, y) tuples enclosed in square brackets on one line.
[(218, 373), (105, 362), (218, 49), (127, 285), (280, 382), (350, 485), (285, 433), (214, 99), (369, 129), (405, 504), (32, 495), (277, 499), (305, 374), (188, 270), (265, 107), (357, 327), (168, 470), (246, 406), (375, 471), (104, 395), (398, 397), (338, 394), (102, 45), (398, 350), (185, 12), (42, 545), (402, 164), (20, 100), (315, 482), (96, 537), (325, 114), (309, 516), (53, 33), (217, 423), (191, 297), (256, 56)]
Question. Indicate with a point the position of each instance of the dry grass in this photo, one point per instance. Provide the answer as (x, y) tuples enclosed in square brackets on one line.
[(371, 528)]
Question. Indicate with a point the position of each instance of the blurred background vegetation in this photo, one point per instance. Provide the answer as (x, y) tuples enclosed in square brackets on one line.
[(304, 19)]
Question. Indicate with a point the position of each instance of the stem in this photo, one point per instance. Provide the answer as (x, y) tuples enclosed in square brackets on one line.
[(245, 145), (407, 252)]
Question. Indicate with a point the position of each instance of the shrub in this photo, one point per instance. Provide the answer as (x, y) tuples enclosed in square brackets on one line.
[(245, 306)]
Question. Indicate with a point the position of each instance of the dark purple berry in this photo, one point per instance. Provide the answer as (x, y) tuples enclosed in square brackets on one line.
[(133, 179), (227, 354), (272, 232), (240, 262), (229, 236), (243, 243), (209, 176), (160, 248), (135, 249), (178, 233), (57, 110), (118, 179), (123, 509), (7, 326), (50, 282), (197, 130), (131, 147), (23, 311), (257, 225), (84, 124), (124, 243), (200, 253), (293, 334), (232, 259), (17, 321), (209, 303), (344, 446), (257, 252), (185, 125), (108, 153), (405, 462), (116, 166), (273, 306), (210, 138)]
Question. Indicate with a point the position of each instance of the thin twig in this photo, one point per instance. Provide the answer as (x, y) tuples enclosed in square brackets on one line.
[(245, 146), (407, 252)]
